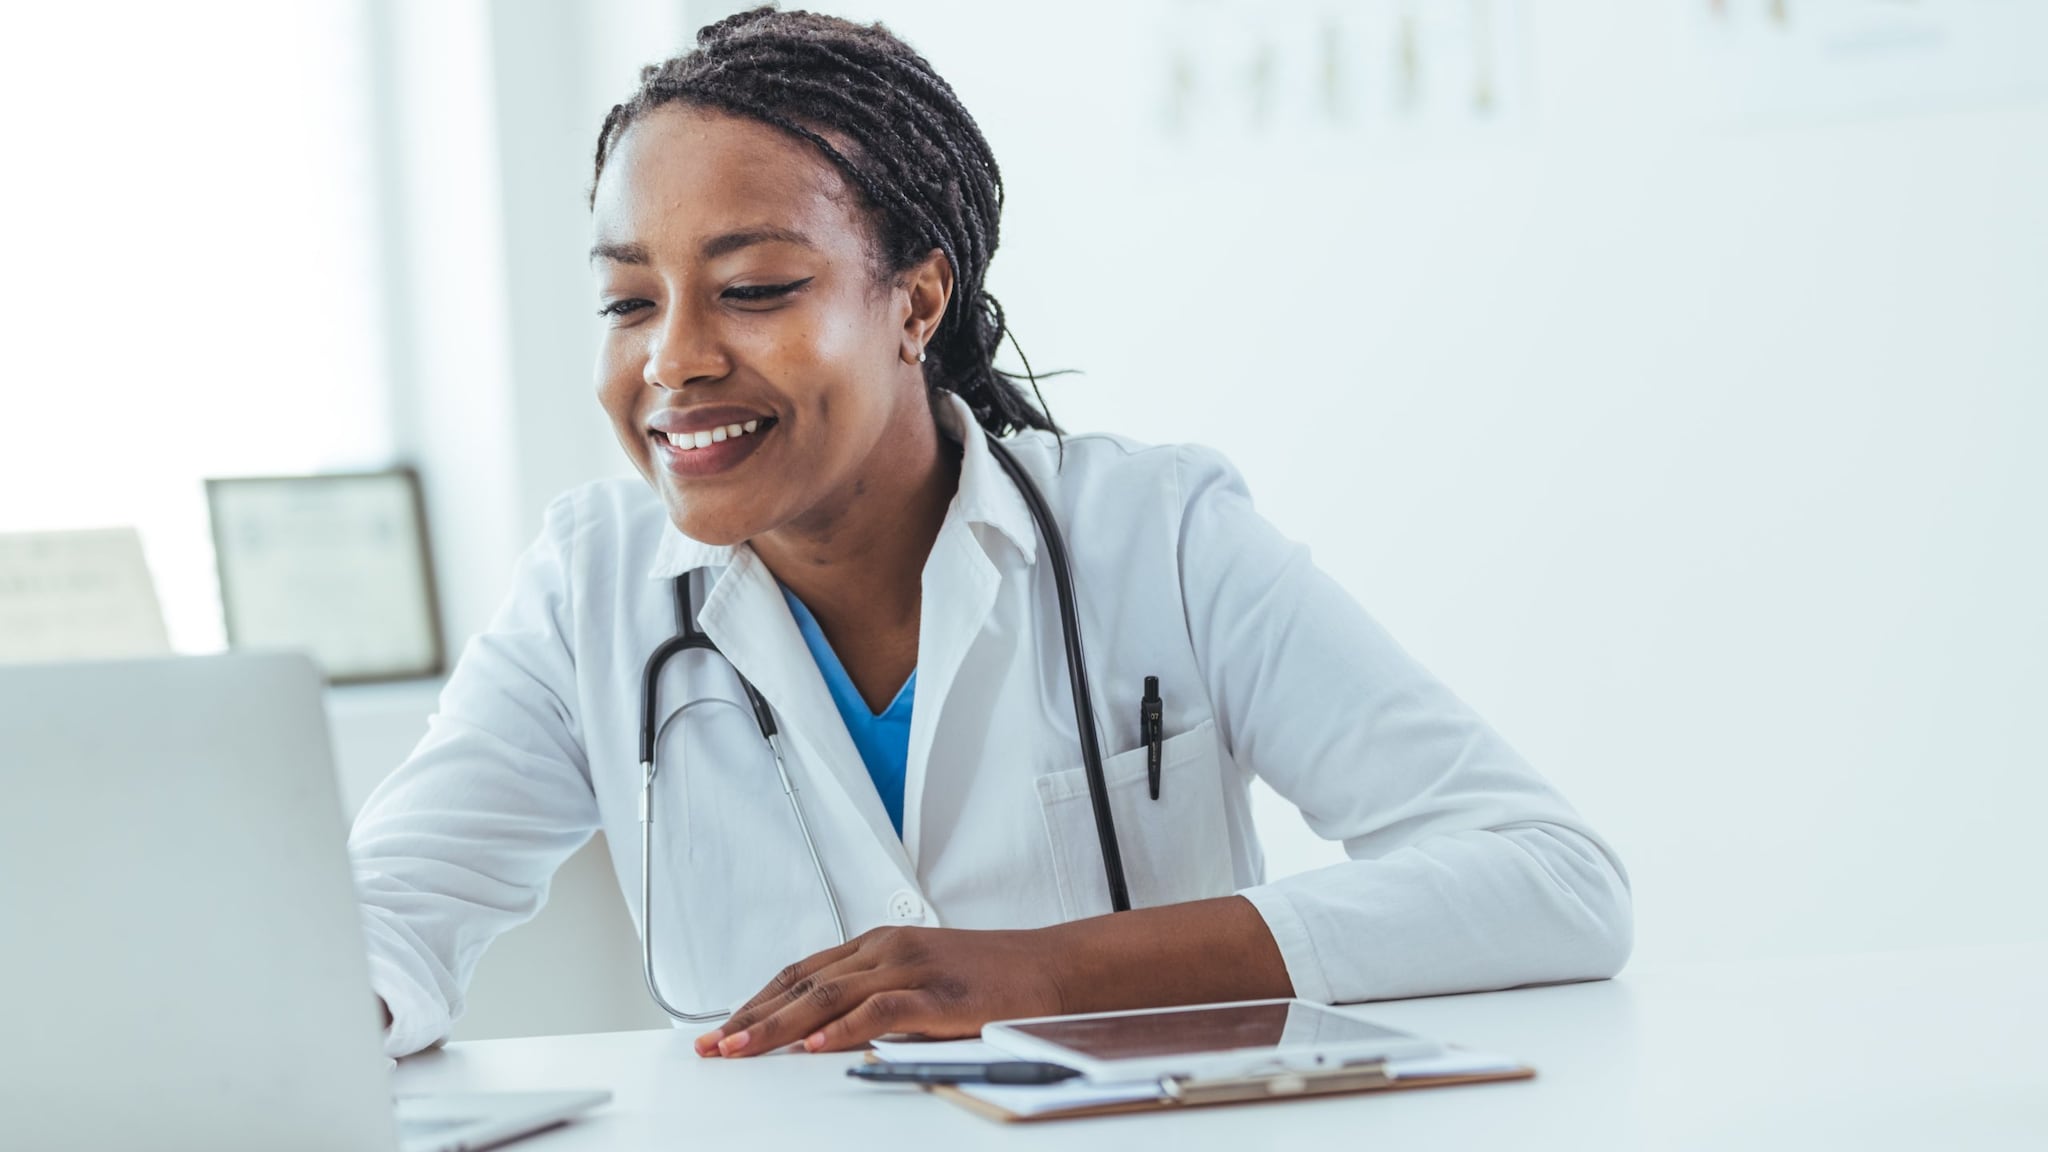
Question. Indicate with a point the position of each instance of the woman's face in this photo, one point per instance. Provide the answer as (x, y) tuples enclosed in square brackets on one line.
[(741, 307)]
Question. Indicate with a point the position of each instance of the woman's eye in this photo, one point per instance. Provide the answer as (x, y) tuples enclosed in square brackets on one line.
[(764, 291), (619, 308)]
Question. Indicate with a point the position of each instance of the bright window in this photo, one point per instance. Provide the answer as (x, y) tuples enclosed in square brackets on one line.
[(190, 268)]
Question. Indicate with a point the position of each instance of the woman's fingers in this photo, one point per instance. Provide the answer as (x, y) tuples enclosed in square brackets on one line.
[(797, 973), (807, 988), (826, 1000), (795, 979), (896, 1010)]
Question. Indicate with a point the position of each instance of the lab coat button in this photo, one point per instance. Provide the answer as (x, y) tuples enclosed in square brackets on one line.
[(905, 906)]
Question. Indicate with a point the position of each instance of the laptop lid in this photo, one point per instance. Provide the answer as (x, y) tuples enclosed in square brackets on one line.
[(182, 964)]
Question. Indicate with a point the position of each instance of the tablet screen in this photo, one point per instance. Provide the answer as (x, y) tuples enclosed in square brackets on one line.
[(1196, 1030)]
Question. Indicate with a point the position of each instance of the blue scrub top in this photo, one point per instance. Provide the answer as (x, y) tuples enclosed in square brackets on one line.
[(883, 739)]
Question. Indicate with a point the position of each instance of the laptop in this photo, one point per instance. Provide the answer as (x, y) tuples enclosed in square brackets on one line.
[(180, 960)]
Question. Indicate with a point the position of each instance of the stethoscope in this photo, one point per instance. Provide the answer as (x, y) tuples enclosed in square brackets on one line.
[(690, 637)]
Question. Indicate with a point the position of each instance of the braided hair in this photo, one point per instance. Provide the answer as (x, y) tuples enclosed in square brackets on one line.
[(918, 159)]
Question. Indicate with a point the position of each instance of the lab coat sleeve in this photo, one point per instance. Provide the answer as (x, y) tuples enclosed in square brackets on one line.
[(1467, 870), (461, 841)]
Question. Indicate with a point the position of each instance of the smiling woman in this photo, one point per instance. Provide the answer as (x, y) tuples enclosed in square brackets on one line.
[(791, 228)]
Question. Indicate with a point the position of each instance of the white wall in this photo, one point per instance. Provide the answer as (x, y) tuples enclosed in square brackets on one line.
[(1701, 455), (1692, 446)]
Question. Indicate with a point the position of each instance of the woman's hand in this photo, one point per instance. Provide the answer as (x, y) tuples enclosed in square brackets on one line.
[(948, 982), (940, 982)]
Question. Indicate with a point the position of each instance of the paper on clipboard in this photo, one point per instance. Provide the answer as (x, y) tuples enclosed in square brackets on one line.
[(1453, 1062), (1035, 1100), (1026, 1100), (938, 1051)]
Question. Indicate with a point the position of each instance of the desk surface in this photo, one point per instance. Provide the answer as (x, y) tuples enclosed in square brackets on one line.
[(1933, 1049)]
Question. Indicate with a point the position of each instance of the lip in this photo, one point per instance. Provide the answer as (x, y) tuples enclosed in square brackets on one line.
[(703, 419), (711, 459)]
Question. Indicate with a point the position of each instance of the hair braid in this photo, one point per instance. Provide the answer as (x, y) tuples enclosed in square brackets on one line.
[(917, 158)]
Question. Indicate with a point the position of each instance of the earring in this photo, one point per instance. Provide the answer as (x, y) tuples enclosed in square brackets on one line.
[(920, 355)]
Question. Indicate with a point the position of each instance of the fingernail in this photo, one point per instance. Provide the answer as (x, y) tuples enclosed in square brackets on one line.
[(732, 1043), (707, 1043), (814, 1041)]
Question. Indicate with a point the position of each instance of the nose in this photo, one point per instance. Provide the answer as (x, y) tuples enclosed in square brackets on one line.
[(682, 350)]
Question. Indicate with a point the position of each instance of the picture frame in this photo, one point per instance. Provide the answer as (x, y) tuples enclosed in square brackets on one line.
[(334, 564)]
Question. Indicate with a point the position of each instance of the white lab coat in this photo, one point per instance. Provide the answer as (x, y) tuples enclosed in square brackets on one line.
[(1466, 871)]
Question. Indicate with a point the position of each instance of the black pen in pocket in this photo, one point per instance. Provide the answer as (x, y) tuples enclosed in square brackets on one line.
[(1153, 730)]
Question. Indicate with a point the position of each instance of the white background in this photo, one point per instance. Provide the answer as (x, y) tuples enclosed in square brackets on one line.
[(189, 283)]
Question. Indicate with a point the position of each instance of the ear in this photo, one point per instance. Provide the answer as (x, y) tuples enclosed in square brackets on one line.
[(928, 285)]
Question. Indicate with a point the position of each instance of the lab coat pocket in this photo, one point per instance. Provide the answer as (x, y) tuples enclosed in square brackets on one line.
[(1174, 849)]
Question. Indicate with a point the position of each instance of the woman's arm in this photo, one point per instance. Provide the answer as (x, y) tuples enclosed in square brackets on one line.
[(1468, 870), (460, 842)]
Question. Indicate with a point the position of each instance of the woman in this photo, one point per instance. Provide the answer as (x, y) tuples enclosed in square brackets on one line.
[(793, 223)]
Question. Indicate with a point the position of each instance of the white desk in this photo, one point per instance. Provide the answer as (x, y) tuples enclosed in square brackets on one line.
[(1922, 1050)]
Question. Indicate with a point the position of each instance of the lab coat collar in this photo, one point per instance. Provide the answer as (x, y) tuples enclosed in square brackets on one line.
[(987, 495)]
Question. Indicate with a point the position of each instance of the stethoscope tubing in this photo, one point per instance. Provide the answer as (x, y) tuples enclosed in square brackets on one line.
[(1077, 674)]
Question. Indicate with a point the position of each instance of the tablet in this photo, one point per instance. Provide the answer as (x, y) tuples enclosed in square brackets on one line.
[(1205, 1042)]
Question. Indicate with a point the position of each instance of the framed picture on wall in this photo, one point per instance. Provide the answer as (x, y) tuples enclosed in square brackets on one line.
[(335, 565)]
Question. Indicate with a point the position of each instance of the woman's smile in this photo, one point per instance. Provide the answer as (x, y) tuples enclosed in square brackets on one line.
[(707, 441)]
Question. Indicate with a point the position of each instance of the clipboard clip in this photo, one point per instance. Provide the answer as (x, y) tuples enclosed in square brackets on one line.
[(1271, 1085)]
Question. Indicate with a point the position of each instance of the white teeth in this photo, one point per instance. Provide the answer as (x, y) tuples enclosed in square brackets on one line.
[(691, 441)]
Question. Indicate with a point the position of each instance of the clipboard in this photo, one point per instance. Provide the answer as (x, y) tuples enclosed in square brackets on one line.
[(1178, 1094)]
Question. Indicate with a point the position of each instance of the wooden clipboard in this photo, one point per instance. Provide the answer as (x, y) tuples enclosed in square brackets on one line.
[(1259, 1090)]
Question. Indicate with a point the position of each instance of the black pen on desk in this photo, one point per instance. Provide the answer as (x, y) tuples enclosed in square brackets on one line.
[(1001, 1072), (1152, 730)]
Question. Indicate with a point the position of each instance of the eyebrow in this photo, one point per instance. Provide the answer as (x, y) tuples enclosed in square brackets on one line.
[(620, 253), (711, 249)]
